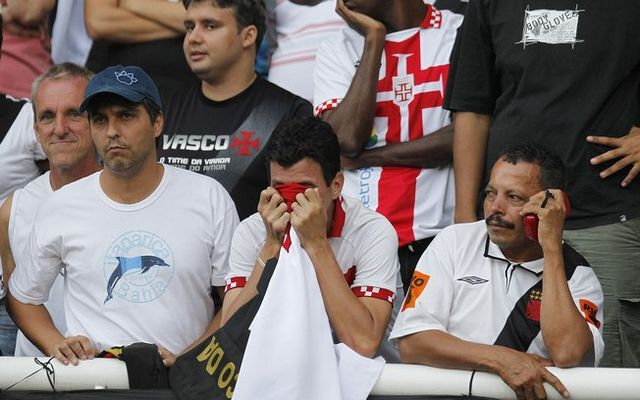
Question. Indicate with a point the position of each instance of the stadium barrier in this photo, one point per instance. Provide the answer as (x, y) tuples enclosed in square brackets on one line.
[(396, 380)]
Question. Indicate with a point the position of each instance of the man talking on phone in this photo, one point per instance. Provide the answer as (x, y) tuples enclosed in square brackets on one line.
[(492, 296)]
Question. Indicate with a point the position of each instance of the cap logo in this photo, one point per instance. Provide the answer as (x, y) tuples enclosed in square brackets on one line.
[(126, 77)]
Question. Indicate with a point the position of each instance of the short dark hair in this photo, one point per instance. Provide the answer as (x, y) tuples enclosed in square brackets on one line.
[(552, 170), (104, 99), (248, 12), (305, 137)]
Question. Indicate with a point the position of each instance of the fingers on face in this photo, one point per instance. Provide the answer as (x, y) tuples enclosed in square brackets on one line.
[(270, 199), (281, 223), (538, 203)]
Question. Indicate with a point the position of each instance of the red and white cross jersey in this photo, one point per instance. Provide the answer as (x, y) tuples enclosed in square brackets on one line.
[(464, 285), (363, 242), (412, 79)]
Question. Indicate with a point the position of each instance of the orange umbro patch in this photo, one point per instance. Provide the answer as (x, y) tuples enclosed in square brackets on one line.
[(418, 283), (590, 312)]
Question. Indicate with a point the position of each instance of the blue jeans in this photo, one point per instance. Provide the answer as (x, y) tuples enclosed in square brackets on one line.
[(8, 331)]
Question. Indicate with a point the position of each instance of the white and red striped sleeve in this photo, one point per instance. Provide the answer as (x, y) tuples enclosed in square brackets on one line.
[(245, 246), (376, 259)]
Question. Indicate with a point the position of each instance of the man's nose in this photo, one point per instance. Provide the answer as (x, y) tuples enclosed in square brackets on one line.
[(497, 205), (60, 127), (112, 130), (195, 36)]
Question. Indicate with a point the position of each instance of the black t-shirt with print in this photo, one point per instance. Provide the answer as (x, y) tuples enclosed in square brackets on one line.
[(162, 59), (553, 72), (226, 140)]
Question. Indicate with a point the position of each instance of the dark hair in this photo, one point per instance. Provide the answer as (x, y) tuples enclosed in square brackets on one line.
[(247, 12), (305, 137), (107, 99), (552, 171)]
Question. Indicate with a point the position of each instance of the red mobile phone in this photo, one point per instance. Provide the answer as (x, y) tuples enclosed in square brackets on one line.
[(530, 221)]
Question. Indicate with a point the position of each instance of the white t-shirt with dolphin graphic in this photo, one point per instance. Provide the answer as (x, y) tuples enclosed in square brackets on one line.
[(133, 272)]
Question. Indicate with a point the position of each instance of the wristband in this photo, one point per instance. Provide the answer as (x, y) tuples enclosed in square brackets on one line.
[(262, 263)]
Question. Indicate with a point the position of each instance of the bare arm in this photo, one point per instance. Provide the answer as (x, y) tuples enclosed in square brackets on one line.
[(470, 136), (160, 11), (8, 263), (30, 12), (275, 218), (564, 330), (105, 20), (357, 322), (430, 151), (236, 298), (523, 372), (36, 323), (353, 119)]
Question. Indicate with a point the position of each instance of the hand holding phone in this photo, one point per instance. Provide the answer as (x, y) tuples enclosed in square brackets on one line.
[(530, 221)]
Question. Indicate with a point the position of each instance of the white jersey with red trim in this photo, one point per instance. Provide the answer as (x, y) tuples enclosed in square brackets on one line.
[(412, 79), (363, 242), (465, 286), (296, 31)]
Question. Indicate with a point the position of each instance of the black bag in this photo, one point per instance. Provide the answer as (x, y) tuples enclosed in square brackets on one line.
[(145, 368), (210, 370)]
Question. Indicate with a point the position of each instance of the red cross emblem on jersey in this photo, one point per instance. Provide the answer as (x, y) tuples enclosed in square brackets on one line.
[(409, 94), (408, 88), (245, 143)]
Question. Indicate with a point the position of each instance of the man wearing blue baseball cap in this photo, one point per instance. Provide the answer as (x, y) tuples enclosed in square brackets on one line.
[(134, 271)]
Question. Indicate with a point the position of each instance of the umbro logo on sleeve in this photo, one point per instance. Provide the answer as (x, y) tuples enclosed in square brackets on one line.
[(473, 280)]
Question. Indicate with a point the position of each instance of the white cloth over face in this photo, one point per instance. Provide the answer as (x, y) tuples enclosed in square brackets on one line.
[(290, 353)]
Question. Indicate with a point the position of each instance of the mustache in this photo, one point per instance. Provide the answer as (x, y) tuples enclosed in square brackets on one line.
[(496, 220)]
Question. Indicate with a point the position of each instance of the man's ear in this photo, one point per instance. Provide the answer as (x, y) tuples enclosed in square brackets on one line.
[(35, 129), (158, 124), (249, 36), (336, 185)]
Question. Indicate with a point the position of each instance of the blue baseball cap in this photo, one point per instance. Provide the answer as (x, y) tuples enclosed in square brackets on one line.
[(130, 82)]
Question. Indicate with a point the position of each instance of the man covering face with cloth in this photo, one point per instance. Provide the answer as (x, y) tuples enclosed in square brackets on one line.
[(351, 248)]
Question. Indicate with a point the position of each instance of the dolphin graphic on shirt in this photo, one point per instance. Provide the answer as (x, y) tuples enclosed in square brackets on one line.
[(126, 264)]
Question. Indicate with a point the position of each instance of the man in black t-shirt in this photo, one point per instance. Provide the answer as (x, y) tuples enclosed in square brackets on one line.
[(220, 126), (567, 75)]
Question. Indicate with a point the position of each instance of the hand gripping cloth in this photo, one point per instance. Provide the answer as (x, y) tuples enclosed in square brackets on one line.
[(290, 353)]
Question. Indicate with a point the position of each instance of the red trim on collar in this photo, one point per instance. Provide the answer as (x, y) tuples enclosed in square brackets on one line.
[(432, 18), (339, 217)]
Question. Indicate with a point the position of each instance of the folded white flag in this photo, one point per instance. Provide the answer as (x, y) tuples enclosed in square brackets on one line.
[(290, 353)]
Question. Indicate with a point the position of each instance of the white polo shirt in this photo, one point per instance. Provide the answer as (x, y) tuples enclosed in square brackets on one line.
[(465, 286)]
